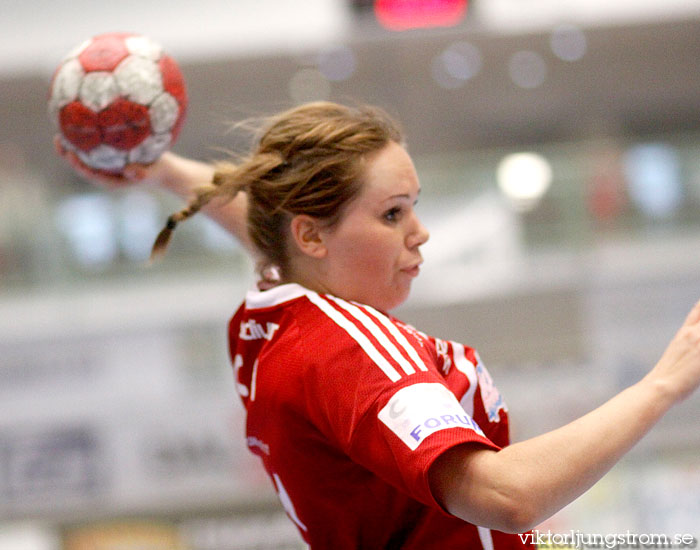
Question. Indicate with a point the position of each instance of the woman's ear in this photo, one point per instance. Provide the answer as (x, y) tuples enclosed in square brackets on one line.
[(307, 235)]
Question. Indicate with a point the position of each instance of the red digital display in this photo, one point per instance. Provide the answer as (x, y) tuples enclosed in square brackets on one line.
[(399, 15)]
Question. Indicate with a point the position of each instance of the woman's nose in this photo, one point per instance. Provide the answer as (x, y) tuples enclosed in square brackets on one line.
[(418, 236)]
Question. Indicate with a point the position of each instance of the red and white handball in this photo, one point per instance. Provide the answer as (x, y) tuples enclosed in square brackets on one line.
[(118, 99)]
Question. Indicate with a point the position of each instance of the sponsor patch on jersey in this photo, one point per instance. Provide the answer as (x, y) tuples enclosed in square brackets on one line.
[(416, 411), (490, 396), (443, 351), (252, 330)]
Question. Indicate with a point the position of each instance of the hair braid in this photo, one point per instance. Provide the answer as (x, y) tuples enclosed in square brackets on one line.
[(163, 238), (228, 180)]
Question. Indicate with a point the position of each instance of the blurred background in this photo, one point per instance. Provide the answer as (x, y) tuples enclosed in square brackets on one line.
[(558, 146)]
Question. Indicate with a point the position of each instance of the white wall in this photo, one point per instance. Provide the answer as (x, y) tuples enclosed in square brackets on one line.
[(519, 15), (35, 34)]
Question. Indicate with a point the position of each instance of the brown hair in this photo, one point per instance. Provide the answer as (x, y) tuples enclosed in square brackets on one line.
[(308, 160)]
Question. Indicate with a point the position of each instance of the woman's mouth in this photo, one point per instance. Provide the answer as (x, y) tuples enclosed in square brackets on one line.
[(412, 271)]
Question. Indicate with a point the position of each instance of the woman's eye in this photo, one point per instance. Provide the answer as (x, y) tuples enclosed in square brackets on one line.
[(392, 214)]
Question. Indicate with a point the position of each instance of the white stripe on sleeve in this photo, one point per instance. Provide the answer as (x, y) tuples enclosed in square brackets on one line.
[(356, 334), (371, 326), (400, 338), (485, 537), (466, 367)]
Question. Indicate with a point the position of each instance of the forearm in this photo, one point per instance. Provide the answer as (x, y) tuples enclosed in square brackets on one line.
[(182, 176), (516, 488), (177, 175), (527, 482), (557, 467)]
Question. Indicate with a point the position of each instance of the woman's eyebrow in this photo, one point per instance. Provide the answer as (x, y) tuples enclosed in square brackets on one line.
[(401, 196)]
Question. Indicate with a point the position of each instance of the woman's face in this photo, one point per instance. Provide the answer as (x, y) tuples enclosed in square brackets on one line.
[(373, 251)]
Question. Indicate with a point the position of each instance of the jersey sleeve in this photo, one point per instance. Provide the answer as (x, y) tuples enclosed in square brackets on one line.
[(377, 391), (407, 428)]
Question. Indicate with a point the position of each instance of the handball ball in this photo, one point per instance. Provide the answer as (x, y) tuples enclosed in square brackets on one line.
[(117, 99)]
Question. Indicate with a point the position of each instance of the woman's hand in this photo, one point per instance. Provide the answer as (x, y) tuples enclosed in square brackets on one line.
[(678, 371), (160, 173)]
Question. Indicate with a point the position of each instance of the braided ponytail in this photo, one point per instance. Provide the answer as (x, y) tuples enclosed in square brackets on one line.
[(163, 239), (223, 183)]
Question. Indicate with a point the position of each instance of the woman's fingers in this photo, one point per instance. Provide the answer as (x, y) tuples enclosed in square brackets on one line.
[(693, 317), (97, 177)]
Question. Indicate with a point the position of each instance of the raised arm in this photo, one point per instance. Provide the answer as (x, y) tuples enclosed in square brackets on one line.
[(177, 175), (515, 489)]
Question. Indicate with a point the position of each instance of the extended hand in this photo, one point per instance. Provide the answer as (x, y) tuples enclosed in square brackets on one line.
[(154, 173), (678, 370)]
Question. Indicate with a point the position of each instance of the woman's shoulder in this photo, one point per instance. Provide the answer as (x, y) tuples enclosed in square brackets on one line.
[(326, 327)]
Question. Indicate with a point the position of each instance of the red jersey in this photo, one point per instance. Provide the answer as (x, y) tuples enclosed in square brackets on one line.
[(348, 408)]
